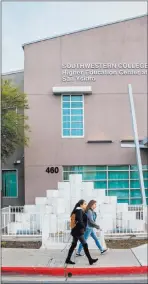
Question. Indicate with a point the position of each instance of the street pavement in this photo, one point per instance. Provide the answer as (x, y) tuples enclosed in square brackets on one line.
[(11, 279), (56, 258)]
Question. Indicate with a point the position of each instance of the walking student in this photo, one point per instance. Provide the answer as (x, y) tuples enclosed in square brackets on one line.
[(78, 227), (91, 215)]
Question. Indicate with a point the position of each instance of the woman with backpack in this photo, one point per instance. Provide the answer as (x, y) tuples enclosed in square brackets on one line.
[(78, 227), (91, 216)]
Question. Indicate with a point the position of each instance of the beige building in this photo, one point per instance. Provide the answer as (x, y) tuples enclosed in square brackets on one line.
[(77, 86)]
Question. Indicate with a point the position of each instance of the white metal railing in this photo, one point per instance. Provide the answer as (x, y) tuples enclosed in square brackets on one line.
[(122, 228), (16, 221), (140, 211), (59, 231), (4, 217)]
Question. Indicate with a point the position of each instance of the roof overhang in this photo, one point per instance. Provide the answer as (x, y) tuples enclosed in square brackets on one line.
[(72, 90), (143, 143), (132, 145)]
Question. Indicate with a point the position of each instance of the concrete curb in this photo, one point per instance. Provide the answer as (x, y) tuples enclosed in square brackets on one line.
[(67, 271)]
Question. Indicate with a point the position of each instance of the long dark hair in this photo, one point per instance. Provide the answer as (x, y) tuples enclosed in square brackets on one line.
[(90, 204), (78, 204)]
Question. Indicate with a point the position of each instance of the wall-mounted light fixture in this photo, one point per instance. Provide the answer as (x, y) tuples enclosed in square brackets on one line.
[(17, 162)]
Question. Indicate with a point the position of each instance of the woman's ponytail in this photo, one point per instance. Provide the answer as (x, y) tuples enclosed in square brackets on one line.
[(78, 204)]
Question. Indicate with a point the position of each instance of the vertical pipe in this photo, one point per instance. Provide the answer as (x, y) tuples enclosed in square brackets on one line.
[(134, 123)]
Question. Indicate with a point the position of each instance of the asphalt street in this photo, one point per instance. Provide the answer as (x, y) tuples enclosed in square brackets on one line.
[(11, 279)]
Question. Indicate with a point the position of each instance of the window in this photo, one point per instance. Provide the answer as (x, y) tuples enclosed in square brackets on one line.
[(72, 115), (120, 181), (9, 183)]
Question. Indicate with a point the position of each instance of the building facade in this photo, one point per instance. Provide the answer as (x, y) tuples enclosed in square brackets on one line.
[(77, 86), (13, 172)]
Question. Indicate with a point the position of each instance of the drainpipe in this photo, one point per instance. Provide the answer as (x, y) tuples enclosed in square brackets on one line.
[(134, 123)]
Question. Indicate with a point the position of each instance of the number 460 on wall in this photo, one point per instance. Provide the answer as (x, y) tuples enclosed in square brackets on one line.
[(52, 170)]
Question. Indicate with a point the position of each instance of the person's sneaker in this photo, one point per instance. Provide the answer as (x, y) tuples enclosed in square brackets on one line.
[(79, 254), (105, 250)]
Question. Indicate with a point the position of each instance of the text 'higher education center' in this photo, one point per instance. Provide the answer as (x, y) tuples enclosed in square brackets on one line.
[(79, 109)]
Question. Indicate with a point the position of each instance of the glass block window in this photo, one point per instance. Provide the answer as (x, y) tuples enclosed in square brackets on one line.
[(72, 115)]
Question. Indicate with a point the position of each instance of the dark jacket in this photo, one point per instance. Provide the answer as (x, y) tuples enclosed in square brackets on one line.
[(81, 222), (92, 216)]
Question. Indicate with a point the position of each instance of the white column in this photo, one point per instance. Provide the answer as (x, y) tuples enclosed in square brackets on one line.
[(137, 143)]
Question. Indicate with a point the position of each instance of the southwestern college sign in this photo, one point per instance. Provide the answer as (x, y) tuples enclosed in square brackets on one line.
[(89, 71)]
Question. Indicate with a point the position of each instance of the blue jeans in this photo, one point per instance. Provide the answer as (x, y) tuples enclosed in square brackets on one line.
[(90, 232)]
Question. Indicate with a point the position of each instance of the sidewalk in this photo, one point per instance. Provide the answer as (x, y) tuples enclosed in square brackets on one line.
[(56, 258), (41, 261)]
